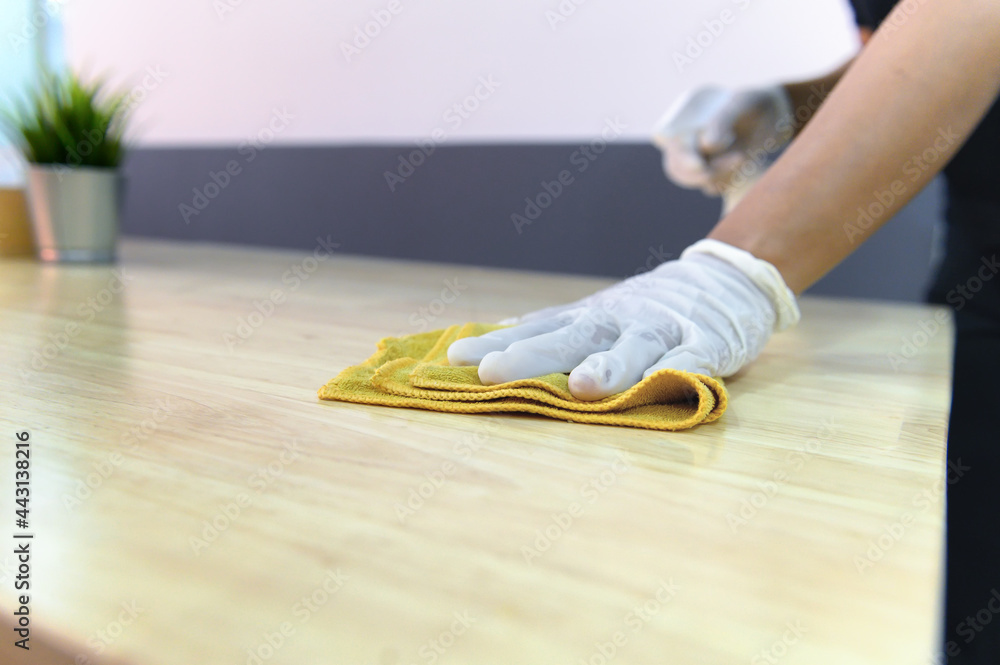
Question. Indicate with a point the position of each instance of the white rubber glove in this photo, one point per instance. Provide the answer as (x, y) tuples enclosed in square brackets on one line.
[(711, 311), (710, 133)]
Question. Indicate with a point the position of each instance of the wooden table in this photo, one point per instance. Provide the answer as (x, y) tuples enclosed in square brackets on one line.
[(193, 502)]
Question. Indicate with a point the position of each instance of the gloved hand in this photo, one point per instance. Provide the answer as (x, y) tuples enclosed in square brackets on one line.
[(711, 311), (710, 134)]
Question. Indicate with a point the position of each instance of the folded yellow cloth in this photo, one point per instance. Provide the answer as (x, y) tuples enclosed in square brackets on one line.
[(413, 371)]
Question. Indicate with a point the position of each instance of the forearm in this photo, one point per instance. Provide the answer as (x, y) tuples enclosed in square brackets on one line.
[(919, 89), (807, 96)]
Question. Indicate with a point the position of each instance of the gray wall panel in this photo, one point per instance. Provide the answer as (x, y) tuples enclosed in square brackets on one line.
[(614, 217)]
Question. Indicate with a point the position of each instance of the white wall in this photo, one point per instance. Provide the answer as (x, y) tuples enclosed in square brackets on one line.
[(17, 68), (225, 65)]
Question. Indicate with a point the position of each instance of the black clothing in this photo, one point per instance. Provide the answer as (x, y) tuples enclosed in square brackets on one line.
[(969, 283), (970, 173)]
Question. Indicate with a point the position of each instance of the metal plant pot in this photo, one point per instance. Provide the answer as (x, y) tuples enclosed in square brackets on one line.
[(74, 212)]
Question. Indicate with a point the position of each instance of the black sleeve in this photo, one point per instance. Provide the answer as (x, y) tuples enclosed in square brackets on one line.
[(870, 13), (861, 14)]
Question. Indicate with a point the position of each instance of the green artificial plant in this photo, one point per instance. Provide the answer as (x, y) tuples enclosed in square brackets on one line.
[(69, 122)]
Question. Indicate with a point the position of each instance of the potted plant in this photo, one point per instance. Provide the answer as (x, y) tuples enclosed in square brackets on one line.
[(71, 134)]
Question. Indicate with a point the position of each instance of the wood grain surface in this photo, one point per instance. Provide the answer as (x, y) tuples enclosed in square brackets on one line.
[(192, 501)]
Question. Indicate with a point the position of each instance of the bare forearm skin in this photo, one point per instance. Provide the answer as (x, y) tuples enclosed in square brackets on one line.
[(806, 96), (897, 116)]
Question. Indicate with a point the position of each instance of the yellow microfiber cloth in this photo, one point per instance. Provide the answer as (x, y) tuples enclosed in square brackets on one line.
[(413, 371)]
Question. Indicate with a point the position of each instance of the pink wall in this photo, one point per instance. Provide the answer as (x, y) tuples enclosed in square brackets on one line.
[(220, 71)]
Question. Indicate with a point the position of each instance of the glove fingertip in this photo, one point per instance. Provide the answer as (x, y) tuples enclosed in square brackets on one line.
[(459, 353), (585, 387), (491, 369)]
